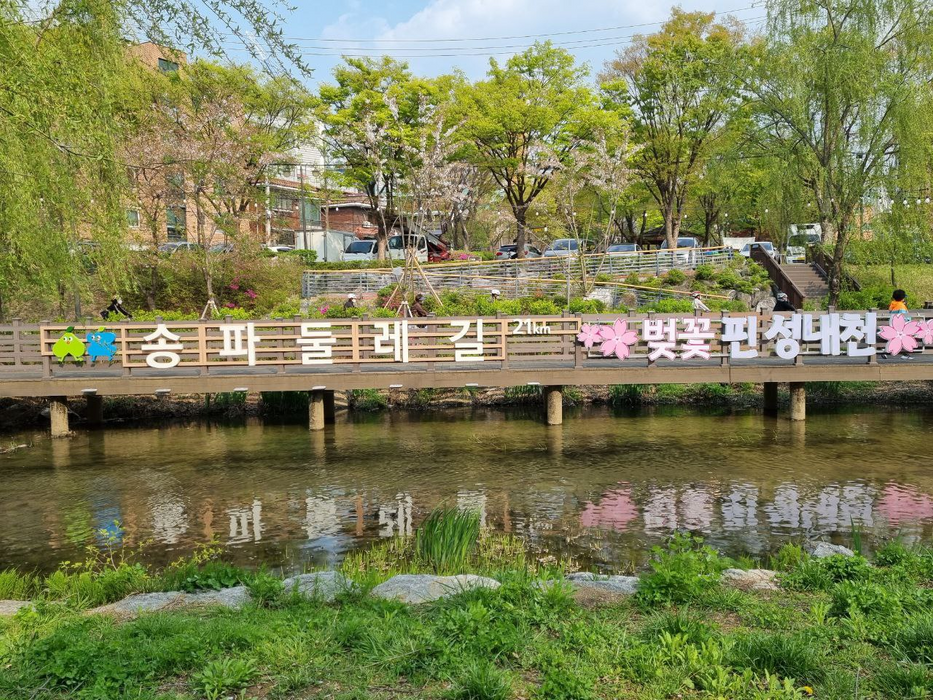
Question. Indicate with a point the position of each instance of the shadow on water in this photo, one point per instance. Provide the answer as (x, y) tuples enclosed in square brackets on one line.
[(601, 488)]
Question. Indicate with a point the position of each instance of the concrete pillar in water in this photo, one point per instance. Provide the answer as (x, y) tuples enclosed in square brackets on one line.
[(316, 410), (771, 398), (94, 415), (330, 412), (798, 401), (554, 404), (58, 416)]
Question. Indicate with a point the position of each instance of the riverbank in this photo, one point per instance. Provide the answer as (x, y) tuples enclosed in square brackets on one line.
[(694, 624), (18, 414)]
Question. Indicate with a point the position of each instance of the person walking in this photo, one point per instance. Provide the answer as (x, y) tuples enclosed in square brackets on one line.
[(350, 303), (698, 305), (782, 303)]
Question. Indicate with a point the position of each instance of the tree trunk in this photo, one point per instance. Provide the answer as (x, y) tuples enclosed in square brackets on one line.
[(151, 291), (520, 212), (382, 239), (835, 268), (669, 234)]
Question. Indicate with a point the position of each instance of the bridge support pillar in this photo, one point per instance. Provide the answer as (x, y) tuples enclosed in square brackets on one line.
[(798, 401), (94, 414), (770, 398), (330, 411), (58, 416), (554, 404), (316, 410)]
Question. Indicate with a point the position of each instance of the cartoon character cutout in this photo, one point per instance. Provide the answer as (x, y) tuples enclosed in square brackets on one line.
[(68, 344), (101, 345)]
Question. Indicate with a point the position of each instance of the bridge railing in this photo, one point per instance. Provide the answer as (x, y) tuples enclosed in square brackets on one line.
[(194, 348), (522, 275)]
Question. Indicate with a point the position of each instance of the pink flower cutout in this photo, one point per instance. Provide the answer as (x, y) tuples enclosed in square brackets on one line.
[(900, 334), (925, 334), (617, 339), (588, 335)]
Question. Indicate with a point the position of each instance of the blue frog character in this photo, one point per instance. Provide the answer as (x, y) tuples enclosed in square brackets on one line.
[(101, 344)]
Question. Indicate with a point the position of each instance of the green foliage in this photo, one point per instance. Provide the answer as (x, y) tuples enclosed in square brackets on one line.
[(788, 557), (265, 589), (626, 394), (17, 586), (914, 640), (446, 539), (367, 400), (685, 570), (307, 257), (674, 278), (906, 681), (283, 403), (704, 272), (790, 656), (852, 598), (481, 680), (821, 574), (221, 677), (203, 570)]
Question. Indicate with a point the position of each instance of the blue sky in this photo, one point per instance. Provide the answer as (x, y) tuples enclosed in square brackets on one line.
[(470, 29)]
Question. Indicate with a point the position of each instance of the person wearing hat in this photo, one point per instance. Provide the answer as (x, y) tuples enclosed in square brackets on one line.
[(350, 303), (417, 309), (494, 294), (782, 304), (698, 305)]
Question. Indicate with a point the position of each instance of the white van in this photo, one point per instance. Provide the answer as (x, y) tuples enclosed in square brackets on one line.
[(397, 246), (360, 250)]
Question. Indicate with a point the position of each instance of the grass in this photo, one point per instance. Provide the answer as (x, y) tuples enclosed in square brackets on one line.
[(916, 280), (838, 629)]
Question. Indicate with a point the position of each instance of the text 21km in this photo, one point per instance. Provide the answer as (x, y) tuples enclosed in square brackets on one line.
[(528, 326)]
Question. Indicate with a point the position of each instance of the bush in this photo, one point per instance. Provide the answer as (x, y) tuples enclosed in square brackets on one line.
[(266, 590), (366, 400), (306, 256), (685, 570), (704, 272), (821, 574), (673, 278), (789, 656)]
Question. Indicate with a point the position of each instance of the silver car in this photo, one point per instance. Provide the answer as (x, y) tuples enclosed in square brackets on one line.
[(562, 247)]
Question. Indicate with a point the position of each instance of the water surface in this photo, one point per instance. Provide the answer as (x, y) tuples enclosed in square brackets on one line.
[(602, 488)]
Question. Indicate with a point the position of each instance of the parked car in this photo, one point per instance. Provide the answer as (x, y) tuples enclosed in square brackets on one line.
[(766, 246), (221, 248), (360, 250), (397, 245), (173, 247), (685, 253), (562, 247), (509, 251), (797, 246), (278, 248), (623, 250)]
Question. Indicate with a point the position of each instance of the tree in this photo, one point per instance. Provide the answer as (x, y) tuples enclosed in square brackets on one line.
[(524, 120), (372, 112), (839, 95), (683, 87)]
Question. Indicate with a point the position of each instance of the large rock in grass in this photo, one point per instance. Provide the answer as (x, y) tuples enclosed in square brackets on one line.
[(131, 606), (821, 550), (11, 607), (321, 585), (751, 579), (623, 585), (423, 588)]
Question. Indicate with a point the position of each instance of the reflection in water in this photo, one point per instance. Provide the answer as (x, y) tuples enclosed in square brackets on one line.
[(602, 488)]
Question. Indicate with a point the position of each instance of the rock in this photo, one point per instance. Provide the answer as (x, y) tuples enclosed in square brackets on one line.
[(625, 585), (322, 585), (235, 598), (821, 550), (132, 605), (423, 588), (9, 608), (751, 580)]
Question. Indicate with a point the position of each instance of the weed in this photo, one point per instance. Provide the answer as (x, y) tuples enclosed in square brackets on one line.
[(789, 656), (265, 589), (683, 571), (481, 681), (222, 676), (862, 597), (914, 641), (446, 539), (904, 681)]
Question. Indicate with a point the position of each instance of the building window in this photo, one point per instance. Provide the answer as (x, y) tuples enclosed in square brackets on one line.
[(284, 205), (175, 224), (132, 218), (167, 66)]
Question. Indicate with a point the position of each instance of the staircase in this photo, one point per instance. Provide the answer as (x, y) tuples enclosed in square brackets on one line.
[(807, 279)]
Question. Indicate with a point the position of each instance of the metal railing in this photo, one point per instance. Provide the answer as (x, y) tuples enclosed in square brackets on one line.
[(520, 277)]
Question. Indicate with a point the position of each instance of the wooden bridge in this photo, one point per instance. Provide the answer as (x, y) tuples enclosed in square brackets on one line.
[(321, 356)]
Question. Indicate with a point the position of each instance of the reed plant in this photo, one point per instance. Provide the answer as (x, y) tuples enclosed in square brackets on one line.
[(447, 538)]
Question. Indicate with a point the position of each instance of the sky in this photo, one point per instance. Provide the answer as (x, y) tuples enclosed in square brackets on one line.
[(436, 36)]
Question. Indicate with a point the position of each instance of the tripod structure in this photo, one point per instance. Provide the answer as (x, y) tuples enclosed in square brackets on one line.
[(408, 281)]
